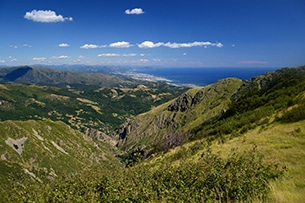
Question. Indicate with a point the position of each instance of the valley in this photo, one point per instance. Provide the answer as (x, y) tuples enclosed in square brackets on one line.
[(103, 138)]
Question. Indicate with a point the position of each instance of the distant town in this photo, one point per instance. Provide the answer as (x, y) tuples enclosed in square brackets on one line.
[(152, 78)]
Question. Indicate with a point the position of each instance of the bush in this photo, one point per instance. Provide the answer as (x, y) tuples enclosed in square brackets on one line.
[(242, 177), (295, 114)]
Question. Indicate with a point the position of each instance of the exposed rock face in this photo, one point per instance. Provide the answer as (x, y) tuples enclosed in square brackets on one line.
[(189, 99), (17, 145), (169, 124), (99, 136), (183, 103)]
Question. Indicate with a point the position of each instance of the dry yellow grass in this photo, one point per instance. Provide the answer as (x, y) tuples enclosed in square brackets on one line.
[(283, 144), (278, 143)]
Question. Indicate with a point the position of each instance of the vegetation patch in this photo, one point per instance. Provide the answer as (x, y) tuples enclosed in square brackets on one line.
[(237, 178)]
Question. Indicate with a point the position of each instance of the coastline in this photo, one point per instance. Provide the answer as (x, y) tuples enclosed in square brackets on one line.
[(192, 77)]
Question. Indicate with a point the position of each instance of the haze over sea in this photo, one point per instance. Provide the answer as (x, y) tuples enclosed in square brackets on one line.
[(202, 76)]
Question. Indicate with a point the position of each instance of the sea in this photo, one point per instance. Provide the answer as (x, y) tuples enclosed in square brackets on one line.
[(200, 76)]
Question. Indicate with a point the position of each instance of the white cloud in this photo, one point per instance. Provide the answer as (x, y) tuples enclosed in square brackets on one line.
[(192, 44), (131, 54), (27, 45), (218, 44), (12, 59), (14, 46), (2, 61), (135, 11), (144, 60), (63, 45), (39, 59), (92, 46), (107, 55), (174, 45), (46, 16), (150, 44), (113, 54), (121, 44), (61, 57)]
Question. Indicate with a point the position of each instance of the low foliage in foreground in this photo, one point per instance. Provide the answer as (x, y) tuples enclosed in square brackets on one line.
[(237, 178)]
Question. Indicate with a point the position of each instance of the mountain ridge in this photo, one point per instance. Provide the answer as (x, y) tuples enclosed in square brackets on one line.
[(49, 76), (162, 153), (242, 98)]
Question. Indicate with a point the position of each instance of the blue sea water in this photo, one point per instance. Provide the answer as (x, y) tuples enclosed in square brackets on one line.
[(203, 76)]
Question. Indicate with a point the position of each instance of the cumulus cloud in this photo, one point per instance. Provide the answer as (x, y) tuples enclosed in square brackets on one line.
[(174, 45), (92, 46), (14, 46), (45, 16), (135, 11), (150, 44), (121, 44), (2, 61), (39, 59), (63, 45), (61, 57)]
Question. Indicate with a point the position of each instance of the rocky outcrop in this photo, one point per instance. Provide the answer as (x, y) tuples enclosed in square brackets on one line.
[(99, 136), (17, 145), (169, 125), (182, 103)]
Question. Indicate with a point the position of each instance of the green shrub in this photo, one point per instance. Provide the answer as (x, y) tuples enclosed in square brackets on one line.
[(241, 177)]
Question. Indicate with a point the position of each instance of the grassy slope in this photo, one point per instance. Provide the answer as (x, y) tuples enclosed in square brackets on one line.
[(283, 144), (51, 149), (268, 113), (153, 127)]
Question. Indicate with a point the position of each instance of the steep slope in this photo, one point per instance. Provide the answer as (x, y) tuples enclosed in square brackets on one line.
[(232, 141), (230, 106), (44, 150), (170, 124)]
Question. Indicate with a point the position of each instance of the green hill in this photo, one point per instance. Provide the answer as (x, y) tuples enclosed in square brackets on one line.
[(44, 150), (229, 106), (170, 124), (231, 141), (82, 106), (48, 76)]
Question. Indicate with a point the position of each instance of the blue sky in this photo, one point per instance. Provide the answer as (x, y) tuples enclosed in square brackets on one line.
[(171, 33)]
